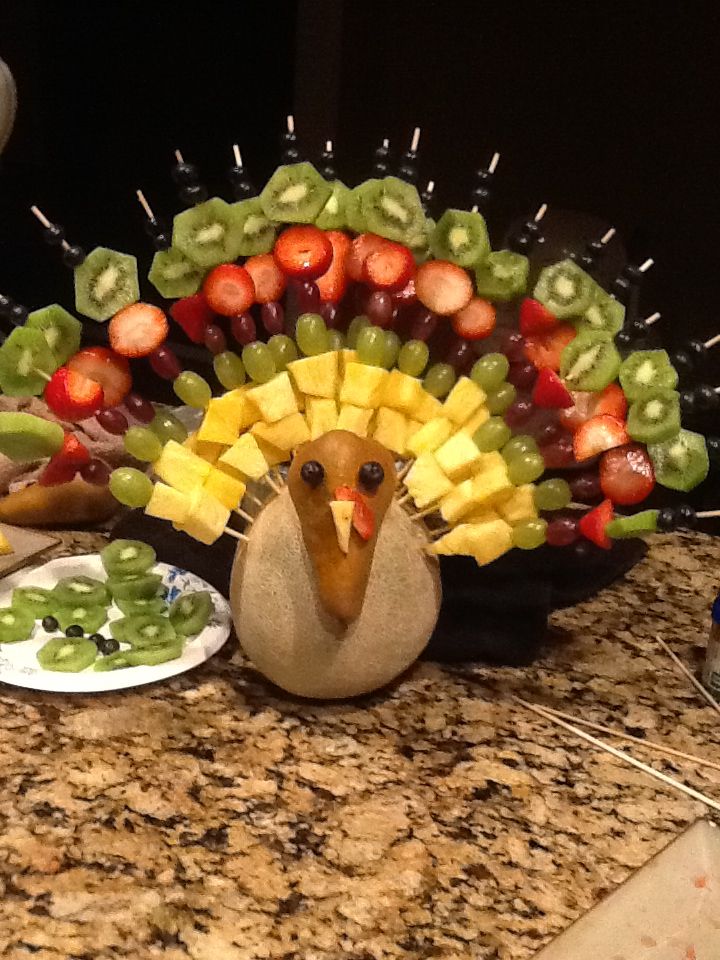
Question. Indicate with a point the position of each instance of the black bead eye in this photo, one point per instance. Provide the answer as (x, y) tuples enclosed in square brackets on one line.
[(312, 473), (371, 475)]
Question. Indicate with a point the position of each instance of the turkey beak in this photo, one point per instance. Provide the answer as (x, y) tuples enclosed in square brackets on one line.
[(342, 514)]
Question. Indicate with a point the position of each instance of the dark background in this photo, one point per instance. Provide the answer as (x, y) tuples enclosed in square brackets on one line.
[(607, 109)]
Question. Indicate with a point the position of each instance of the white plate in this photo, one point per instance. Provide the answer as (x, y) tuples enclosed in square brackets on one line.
[(18, 661)]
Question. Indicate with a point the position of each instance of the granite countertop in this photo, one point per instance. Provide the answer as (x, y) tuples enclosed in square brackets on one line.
[(212, 817)]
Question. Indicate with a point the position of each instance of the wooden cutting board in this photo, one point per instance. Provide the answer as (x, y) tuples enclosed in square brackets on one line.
[(28, 544)]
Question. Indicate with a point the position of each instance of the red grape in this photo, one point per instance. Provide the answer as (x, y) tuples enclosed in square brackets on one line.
[(513, 346), (423, 326), (559, 453), (96, 471), (330, 313), (165, 363), (380, 308), (562, 531), (244, 329), (518, 413), (215, 339), (308, 297), (547, 430), (522, 375), (585, 487), (139, 407), (460, 355), (112, 420)]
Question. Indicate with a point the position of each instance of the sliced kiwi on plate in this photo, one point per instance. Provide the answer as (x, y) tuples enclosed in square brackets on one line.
[(146, 630), (392, 209), (88, 617), (647, 370), (174, 275), (67, 654), (623, 527), (332, 215), (503, 276), (461, 237), (26, 363), (654, 417), (136, 608), (589, 362), (15, 624), (114, 661), (25, 437), (255, 232), (60, 329), (682, 462), (71, 591), (604, 315), (190, 612), (33, 600), (295, 193), (141, 586), (105, 282), (151, 656), (565, 289), (207, 234), (127, 558)]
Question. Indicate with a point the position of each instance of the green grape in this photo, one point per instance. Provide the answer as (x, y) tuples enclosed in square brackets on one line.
[(142, 444), (130, 486), (192, 389), (167, 427), (489, 371), (391, 349), (529, 534), (525, 467), (492, 435), (229, 369), (283, 350), (336, 340), (311, 334), (259, 362), (552, 494), (440, 379), (371, 346), (499, 400), (356, 325), (413, 358), (519, 445)]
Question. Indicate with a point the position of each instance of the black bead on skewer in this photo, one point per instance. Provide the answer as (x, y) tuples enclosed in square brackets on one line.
[(54, 236), (408, 169), (629, 280), (16, 313), (327, 162), (594, 250), (482, 193), (157, 231), (426, 197), (288, 143), (242, 187), (186, 176), (686, 359), (636, 330), (682, 517), (703, 398), (529, 234), (381, 160)]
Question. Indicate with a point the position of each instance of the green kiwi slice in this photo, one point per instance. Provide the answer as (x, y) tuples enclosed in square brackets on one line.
[(354, 215), (15, 624), (255, 232), (503, 276), (85, 616), (60, 329), (135, 608), (25, 437), (647, 370), (152, 656), (589, 362), (392, 209), (655, 417), (623, 527), (681, 463), (174, 275), (190, 612), (115, 661), (105, 282), (137, 587), (295, 193), (26, 363), (67, 654), (207, 234), (33, 600), (85, 591), (332, 215), (127, 558), (146, 630), (565, 289), (461, 237), (604, 315)]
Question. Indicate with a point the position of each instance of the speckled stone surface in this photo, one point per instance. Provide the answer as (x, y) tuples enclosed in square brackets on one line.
[(212, 817)]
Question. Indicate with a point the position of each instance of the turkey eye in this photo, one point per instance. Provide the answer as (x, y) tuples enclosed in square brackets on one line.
[(371, 475), (312, 473)]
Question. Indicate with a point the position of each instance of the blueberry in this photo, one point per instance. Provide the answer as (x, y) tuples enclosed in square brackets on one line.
[(371, 475), (313, 473), (685, 516), (73, 256), (667, 519), (74, 630), (107, 645), (49, 624)]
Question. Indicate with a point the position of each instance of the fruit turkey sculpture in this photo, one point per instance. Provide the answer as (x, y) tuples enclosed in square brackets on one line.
[(402, 392)]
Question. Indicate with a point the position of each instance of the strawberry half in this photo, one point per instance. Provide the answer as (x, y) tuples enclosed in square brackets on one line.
[(545, 349), (626, 474), (586, 405), (443, 287), (267, 277), (363, 517), (229, 290), (536, 318), (73, 396), (598, 435), (194, 315), (360, 250), (475, 321), (389, 268), (137, 330), (550, 392), (108, 369), (612, 400), (592, 525), (333, 283), (63, 466), (303, 252)]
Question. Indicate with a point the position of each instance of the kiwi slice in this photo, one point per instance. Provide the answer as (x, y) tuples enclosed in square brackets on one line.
[(461, 237), (647, 370), (605, 315), (332, 215), (26, 363), (24, 437), (207, 234), (681, 463), (146, 630), (105, 282), (127, 558), (15, 624), (33, 600), (190, 612), (622, 527), (503, 276), (655, 417), (135, 608), (67, 654), (74, 591), (115, 661), (151, 656), (88, 617), (140, 586), (255, 232), (565, 289), (589, 362), (60, 329), (392, 209), (295, 193), (354, 215), (174, 275)]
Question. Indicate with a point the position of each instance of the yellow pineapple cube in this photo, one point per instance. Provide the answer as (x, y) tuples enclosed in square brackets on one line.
[(167, 503), (458, 456), (226, 416), (206, 519), (225, 487), (476, 421), (402, 392), (363, 385), (459, 501), (286, 434), (463, 400), (321, 416), (181, 468), (203, 448), (246, 456), (274, 399), (354, 419), (273, 455), (430, 436), (429, 408), (483, 514), (491, 477), (390, 429), (519, 505), (484, 542), (426, 482), (413, 427), (345, 357), (317, 376), (6, 548)]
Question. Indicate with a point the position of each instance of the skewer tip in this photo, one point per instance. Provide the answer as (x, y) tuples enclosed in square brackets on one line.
[(492, 166), (291, 123), (607, 237), (328, 146), (644, 267), (541, 212), (653, 318), (179, 157), (386, 144), (237, 155), (415, 140)]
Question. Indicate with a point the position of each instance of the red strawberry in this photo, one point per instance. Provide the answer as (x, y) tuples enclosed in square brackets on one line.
[(137, 330), (612, 400), (363, 516), (73, 396), (626, 474), (550, 391), (599, 434), (536, 318), (389, 268), (359, 251), (194, 315), (545, 349), (66, 462), (443, 287), (108, 369), (333, 283), (267, 277), (586, 405), (475, 321), (592, 525), (229, 290), (303, 251)]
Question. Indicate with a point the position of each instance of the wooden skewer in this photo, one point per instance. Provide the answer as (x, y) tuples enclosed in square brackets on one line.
[(424, 513), (405, 469), (41, 374), (255, 500), (474, 208), (644, 267), (145, 205), (430, 187), (620, 755), (403, 499), (690, 675), (246, 516), (271, 483), (328, 146), (37, 212), (607, 237), (653, 318), (291, 123), (179, 157), (440, 532), (415, 140), (713, 341), (542, 210), (237, 155), (492, 166), (707, 514), (236, 534)]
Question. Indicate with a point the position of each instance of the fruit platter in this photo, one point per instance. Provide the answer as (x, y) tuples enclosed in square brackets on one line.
[(391, 389)]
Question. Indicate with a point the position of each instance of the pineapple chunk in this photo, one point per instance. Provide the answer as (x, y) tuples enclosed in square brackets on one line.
[(346, 357), (246, 456), (458, 456), (482, 514), (226, 416), (476, 420), (203, 448), (484, 542), (428, 409), (519, 505), (354, 419), (225, 487), (363, 385), (390, 429), (6, 547), (463, 400), (321, 416), (273, 455), (426, 482), (206, 519), (460, 500), (286, 434), (317, 376), (181, 468), (167, 503), (430, 436), (402, 392), (275, 399), (491, 477)]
